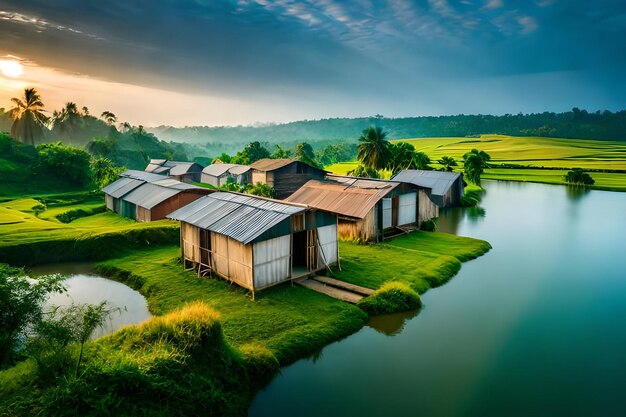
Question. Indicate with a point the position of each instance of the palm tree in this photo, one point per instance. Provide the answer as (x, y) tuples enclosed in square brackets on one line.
[(67, 120), (448, 163), (109, 118), (125, 127), (373, 151), (86, 111), (28, 118), (474, 163)]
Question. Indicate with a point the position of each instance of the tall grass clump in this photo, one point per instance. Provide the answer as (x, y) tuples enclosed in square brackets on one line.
[(391, 297)]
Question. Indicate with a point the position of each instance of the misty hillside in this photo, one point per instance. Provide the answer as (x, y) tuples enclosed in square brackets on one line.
[(579, 124)]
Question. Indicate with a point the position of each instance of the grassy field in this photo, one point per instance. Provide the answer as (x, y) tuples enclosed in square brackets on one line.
[(529, 151)]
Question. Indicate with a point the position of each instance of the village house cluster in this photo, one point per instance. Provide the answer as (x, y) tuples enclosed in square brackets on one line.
[(258, 242)]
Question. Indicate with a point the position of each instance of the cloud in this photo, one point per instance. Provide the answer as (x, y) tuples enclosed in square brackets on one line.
[(493, 4), (528, 24)]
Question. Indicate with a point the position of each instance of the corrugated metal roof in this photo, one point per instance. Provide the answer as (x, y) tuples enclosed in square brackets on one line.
[(122, 187), (353, 197), (142, 175), (240, 217), (217, 170), (267, 164), (149, 195), (439, 181), (171, 167)]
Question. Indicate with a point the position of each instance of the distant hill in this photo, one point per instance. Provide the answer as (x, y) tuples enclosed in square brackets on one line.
[(578, 124)]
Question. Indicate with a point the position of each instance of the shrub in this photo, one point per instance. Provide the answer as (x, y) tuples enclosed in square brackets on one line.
[(429, 225), (391, 297)]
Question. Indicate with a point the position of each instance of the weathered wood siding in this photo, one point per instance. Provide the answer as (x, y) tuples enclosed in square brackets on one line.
[(190, 241), (232, 260), (258, 176), (108, 201), (360, 230), (427, 209), (143, 215)]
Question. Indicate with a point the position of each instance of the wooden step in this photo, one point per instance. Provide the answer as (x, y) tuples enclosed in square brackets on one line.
[(330, 291), (344, 285)]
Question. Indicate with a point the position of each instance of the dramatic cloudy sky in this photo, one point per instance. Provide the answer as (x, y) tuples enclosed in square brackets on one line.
[(214, 62)]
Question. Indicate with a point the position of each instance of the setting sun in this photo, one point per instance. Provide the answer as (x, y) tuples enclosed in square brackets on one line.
[(11, 69)]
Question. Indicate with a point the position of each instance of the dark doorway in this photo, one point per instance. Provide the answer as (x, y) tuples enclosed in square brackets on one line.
[(298, 250)]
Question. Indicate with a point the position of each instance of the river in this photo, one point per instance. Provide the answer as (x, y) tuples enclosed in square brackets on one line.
[(536, 327)]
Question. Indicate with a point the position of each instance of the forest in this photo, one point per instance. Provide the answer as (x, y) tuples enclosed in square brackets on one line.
[(575, 124)]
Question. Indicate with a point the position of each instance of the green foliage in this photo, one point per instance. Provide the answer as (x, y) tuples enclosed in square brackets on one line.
[(281, 153), (391, 297), (104, 172), (404, 156), (67, 162), (224, 158), (304, 152), (474, 164), (471, 196), (373, 151), (579, 177), (251, 153), (364, 172), (71, 215), (28, 117), (448, 163), (260, 189), (21, 304), (429, 225)]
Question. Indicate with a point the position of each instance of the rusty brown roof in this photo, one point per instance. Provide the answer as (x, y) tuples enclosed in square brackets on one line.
[(267, 164), (353, 197)]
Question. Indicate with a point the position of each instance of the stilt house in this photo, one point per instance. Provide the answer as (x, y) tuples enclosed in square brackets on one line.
[(367, 209), (446, 188), (253, 241), (285, 176)]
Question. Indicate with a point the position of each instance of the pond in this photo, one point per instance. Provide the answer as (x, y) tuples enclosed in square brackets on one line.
[(536, 327), (84, 286)]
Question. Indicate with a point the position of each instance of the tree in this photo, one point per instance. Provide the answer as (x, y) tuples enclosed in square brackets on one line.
[(21, 306), (448, 163), (304, 153), (280, 153), (28, 118), (251, 153), (579, 177), (224, 158), (373, 151), (67, 121), (404, 156), (364, 172), (68, 162), (104, 172), (101, 146), (474, 164), (109, 118)]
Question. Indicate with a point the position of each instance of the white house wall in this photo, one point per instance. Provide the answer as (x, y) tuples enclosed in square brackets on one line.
[(272, 261), (407, 209), (327, 236)]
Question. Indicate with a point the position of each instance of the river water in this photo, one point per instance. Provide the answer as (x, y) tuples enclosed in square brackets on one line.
[(536, 327), (84, 286)]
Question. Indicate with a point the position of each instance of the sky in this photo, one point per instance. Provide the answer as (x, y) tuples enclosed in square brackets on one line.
[(231, 62)]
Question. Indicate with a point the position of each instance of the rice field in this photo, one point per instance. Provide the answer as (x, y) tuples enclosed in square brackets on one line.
[(532, 152)]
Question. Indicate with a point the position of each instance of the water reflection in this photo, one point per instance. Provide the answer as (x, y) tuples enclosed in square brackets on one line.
[(85, 287), (575, 194), (392, 324)]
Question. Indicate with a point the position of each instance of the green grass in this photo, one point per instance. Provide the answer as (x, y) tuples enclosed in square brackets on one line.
[(528, 151), (147, 369)]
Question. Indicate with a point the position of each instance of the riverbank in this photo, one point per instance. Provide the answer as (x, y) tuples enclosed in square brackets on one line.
[(281, 325)]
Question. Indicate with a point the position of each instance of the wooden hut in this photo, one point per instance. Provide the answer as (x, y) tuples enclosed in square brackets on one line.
[(255, 242), (446, 188), (181, 171), (147, 197), (218, 175), (285, 176), (367, 209)]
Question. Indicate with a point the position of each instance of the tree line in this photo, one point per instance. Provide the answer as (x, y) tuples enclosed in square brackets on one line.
[(577, 123)]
